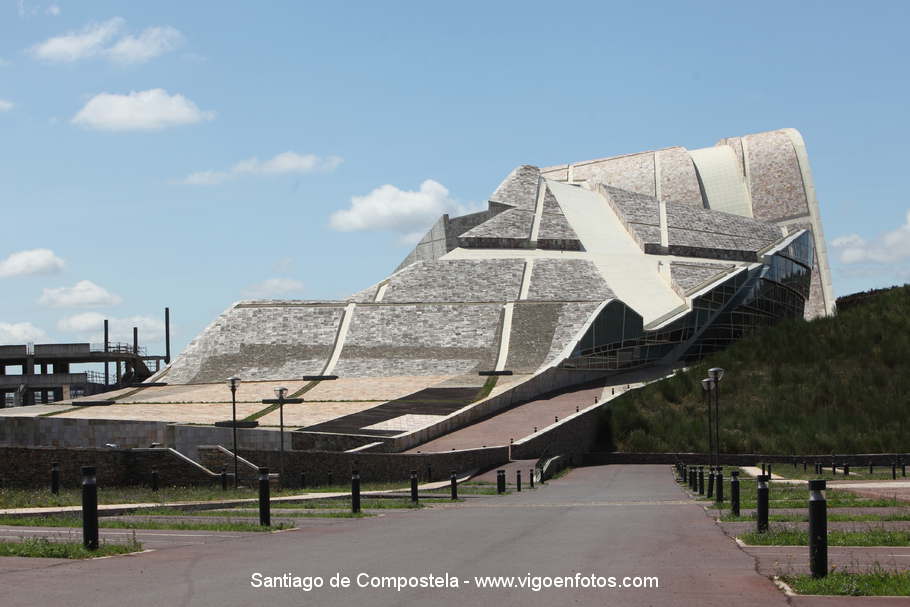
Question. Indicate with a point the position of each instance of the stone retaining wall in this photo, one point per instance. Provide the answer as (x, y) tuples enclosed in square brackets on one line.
[(742, 459), (31, 466), (377, 467)]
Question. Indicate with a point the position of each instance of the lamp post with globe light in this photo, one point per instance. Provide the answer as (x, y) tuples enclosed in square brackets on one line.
[(233, 382)]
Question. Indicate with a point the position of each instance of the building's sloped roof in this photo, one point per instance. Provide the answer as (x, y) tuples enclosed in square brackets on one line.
[(456, 280), (519, 189), (688, 276)]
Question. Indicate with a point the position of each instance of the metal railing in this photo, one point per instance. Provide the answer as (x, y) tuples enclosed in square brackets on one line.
[(118, 348)]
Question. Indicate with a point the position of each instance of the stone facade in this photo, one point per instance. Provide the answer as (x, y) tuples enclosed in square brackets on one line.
[(420, 339), (567, 280), (687, 277), (519, 189), (457, 280)]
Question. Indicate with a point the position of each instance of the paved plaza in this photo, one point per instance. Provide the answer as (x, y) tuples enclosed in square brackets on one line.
[(607, 520)]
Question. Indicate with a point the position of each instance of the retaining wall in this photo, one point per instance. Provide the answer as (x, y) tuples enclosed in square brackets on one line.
[(31, 466)]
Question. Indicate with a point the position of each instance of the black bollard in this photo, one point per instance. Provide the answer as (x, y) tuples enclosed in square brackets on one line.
[(711, 478), (303, 480), (329, 479), (429, 473), (265, 515), (870, 467), (846, 469), (693, 476), (154, 480), (763, 468), (454, 483), (804, 465), (89, 508), (734, 493), (55, 478), (833, 468), (518, 480), (762, 495), (818, 529), (500, 481), (414, 486), (685, 473), (531, 478), (224, 482), (355, 492), (701, 480), (719, 477), (893, 471), (769, 471), (903, 468)]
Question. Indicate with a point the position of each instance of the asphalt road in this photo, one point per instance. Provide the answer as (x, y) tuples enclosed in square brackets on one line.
[(609, 521)]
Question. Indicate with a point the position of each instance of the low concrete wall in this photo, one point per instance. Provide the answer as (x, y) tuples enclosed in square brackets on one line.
[(376, 467), (324, 441), (743, 459), (95, 433), (70, 432), (31, 467), (551, 380), (572, 436), (186, 439)]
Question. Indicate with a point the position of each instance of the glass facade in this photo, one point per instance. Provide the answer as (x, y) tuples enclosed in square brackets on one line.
[(749, 299)]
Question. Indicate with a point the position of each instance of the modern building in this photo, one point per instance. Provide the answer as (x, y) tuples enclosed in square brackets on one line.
[(637, 262)]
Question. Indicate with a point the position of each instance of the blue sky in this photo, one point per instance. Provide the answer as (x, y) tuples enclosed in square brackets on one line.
[(193, 154)]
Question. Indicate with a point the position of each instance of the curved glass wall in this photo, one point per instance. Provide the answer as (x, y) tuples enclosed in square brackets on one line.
[(751, 298)]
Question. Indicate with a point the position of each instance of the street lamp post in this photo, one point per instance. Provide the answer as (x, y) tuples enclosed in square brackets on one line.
[(707, 385), (233, 382), (280, 400), (716, 374)]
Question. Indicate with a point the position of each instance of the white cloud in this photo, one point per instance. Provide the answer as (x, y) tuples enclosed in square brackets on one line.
[(273, 287), (73, 46), (53, 10), (91, 327), (34, 261), (151, 43), (284, 163), (97, 40), (139, 111), (406, 212), (5, 105), (84, 294), (19, 333), (890, 247)]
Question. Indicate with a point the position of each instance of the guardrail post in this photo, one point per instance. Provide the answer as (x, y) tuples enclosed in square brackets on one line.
[(355, 492), (55, 478), (265, 516), (818, 529), (720, 485), (734, 493), (89, 508), (518, 480), (414, 486), (454, 484), (762, 496)]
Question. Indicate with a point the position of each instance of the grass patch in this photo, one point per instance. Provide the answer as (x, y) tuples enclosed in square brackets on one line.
[(255, 514), (832, 386), (832, 517), (857, 473), (38, 547), (105, 523), (788, 537), (874, 583), (37, 498)]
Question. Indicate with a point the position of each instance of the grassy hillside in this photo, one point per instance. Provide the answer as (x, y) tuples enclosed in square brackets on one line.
[(833, 385)]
